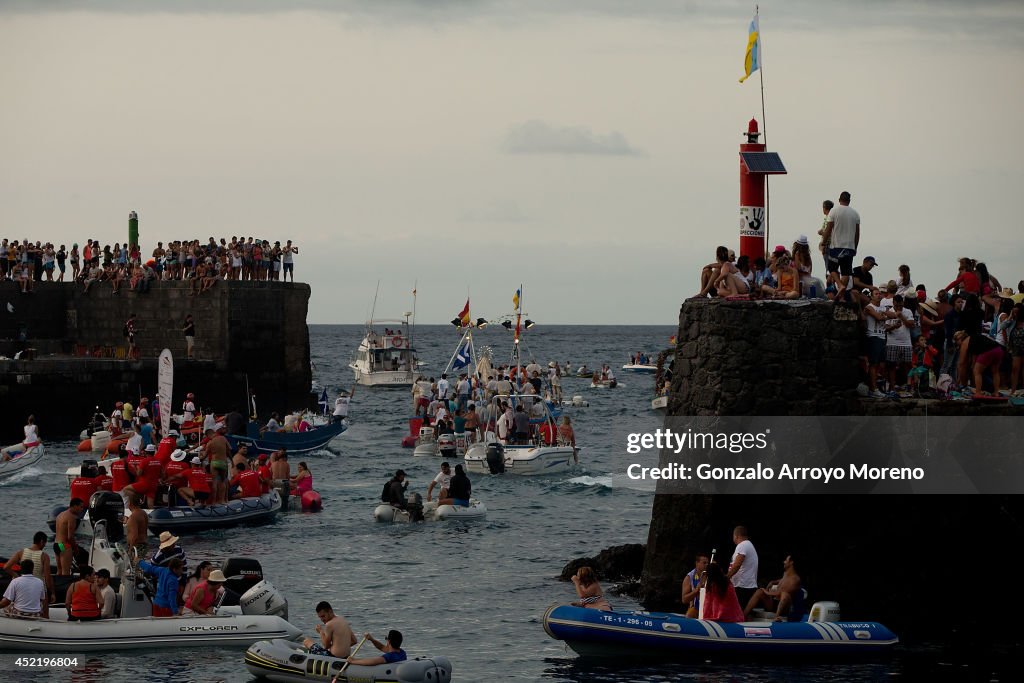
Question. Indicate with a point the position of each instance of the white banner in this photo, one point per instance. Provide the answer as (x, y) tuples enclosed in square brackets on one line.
[(165, 389)]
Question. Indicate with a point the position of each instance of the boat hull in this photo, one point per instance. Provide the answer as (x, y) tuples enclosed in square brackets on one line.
[(382, 378), (595, 632), (46, 635), (279, 660), (645, 369), (432, 512), (22, 458), (260, 510), (296, 443), (523, 460)]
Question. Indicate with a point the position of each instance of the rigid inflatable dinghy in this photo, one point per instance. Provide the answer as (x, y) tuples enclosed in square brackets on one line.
[(599, 633), (256, 510), (281, 660), (21, 458), (432, 512), (249, 610)]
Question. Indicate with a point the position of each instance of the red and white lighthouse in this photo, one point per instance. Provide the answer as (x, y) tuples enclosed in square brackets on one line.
[(755, 164)]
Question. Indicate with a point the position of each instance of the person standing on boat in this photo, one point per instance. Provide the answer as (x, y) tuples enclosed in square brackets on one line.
[(459, 490), (64, 543), (589, 590), (165, 602), (743, 567), (26, 595), (135, 528), (692, 584), (336, 637), (39, 557), (342, 404), (391, 649), (218, 452), (462, 391), (442, 481), (443, 387)]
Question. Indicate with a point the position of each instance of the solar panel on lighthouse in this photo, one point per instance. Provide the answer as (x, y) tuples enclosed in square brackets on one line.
[(768, 163)]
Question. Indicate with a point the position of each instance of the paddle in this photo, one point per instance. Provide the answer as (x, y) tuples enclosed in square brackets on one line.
[(342, 670)]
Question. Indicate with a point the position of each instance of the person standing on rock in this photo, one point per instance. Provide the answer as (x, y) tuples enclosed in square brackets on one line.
[(189, 329), (743, 567), (842, 234)]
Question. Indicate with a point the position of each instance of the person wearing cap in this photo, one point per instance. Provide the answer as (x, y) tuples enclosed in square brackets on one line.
[(188, 409), (843, 236), (143, 410), (199, 483), (442, 481), (148, 472), (168, 550), (342, 404), (176, 470), (391, 650), (863, 279), (204, 596), (108, 597)]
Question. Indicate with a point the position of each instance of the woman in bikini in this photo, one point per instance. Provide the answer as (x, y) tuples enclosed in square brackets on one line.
[(589, 590)]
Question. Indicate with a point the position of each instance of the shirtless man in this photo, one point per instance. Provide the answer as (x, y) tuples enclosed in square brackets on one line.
[(782, 592), (336, 637), (64, 543), (279, 468), (218, 451), (136, 527)]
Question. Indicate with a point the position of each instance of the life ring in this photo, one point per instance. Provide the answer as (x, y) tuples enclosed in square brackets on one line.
[(397, 342)]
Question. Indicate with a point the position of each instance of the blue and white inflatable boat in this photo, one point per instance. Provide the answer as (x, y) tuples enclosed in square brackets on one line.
[(598, 633)]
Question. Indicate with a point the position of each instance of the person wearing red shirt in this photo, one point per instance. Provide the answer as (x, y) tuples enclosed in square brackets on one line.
[(104, 482), (176, 471), (83, 488), (119, 473), (166, 447), (149, 471), (198, 489), (263, 471), (248, 482)]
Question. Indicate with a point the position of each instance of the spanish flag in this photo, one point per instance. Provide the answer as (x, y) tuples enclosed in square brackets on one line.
[(515, 299), (464, 315), (753, 59)]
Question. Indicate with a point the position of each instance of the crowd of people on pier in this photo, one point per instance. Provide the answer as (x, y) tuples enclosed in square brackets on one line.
[(123, 265), (966, 340)]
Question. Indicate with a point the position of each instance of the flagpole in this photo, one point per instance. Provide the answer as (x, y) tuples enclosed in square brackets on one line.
[(764, 130)]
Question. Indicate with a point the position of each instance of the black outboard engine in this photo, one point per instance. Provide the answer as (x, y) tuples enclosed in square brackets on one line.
[(90, 470), (108, 507), (496, 458), (414, 506), (242, 573), (98, 423)]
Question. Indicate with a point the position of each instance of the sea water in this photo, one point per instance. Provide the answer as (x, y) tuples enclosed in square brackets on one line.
[(474, 591)]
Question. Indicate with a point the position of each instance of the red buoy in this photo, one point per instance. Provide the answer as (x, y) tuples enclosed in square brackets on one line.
[(311, 502)]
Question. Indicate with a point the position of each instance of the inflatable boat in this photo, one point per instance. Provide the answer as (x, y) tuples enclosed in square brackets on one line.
[(281, 660), (250, 609), (597, 633), (21, 458), (254, 510), (431, 512)]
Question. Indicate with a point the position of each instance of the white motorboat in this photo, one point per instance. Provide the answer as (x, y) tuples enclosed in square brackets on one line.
[(258, 614), (544, 452), (20, 458), (432, 512), (640, 367), (604, 383), (386, 359), (280, 660), (443, 446)]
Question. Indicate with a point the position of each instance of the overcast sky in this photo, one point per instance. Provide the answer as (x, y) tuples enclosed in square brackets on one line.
[(587, 150)]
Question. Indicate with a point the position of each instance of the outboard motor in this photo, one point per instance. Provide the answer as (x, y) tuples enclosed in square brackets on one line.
[(283, 487), (446, 444), (90, 469), (109, 507), (414, 506), (496, 457), (242, 573), (263, 598)]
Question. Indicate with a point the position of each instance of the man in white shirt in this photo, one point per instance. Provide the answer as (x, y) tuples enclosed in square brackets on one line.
[(26, 595), (743, 567), (443, 385), (442, 480), (341, 404), (109, 597), (842, 234)]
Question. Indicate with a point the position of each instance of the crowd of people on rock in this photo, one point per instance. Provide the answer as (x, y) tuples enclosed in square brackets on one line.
[(123, 265), (966, 340)]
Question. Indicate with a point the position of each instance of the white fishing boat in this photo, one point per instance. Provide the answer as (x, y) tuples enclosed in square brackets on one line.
[(257, 611), (20, 458), (386, 357), (647, 368)]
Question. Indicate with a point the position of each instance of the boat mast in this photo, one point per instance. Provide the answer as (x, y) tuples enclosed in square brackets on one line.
[(373, 311)]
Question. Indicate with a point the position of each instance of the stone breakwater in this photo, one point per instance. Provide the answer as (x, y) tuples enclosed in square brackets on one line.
[(244, 330)]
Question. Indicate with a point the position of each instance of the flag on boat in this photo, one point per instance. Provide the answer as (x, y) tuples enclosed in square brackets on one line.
[(515, 299), (672, 340), (752, 62), (324, 401), (464, 315), (463, 356)]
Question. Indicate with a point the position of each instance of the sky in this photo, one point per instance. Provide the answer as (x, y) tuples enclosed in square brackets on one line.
[(584, 150)]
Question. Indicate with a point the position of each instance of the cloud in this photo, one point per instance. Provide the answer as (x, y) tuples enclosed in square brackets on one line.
[(497, 211), (539, 137)]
